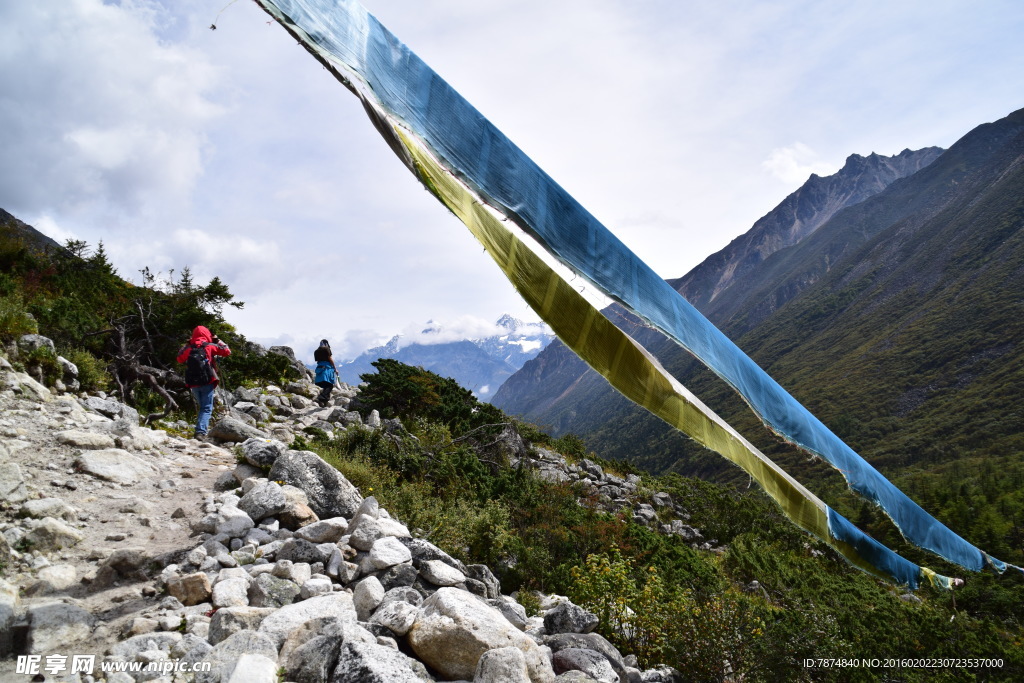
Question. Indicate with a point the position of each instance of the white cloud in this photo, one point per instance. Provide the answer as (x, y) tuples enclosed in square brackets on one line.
[(463, 327), (527, 345), (794, 164), (345, 345), (99, 115), (442, 332), (49, 227), (226, 248), (250, 266), (353, 342)]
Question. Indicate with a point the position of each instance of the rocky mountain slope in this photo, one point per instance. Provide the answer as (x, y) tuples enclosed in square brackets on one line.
[(27, 232), (558, 376), (171, 559), (799, 215)]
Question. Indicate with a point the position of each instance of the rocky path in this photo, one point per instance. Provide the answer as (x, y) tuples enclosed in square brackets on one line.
[(74, 492), (250, 562)]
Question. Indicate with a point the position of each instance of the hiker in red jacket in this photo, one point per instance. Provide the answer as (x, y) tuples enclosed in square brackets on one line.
[(199, 356)]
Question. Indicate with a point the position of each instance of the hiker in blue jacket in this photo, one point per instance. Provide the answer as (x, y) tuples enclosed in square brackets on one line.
[(326, 372)]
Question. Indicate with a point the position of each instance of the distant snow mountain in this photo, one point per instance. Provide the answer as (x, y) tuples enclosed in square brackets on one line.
[(480, 365), (522, 343)]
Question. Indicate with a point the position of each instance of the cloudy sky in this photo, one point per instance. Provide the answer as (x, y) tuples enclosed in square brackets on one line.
[(677, 123)]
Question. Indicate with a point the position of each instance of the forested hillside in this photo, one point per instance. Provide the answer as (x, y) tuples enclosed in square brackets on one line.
[(122, 336)]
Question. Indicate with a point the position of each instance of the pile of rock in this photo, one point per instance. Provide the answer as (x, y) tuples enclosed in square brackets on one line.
[(27, 344), (615, 494), (272, 566), (78, 477), (301, 573)]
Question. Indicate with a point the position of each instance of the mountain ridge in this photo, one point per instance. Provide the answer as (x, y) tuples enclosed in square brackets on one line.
[(797, 216), (532, 394), (27, 233)]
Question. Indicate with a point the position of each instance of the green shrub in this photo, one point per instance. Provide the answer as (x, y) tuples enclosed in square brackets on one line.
[(634, 613), (487, 533), (531, 433), (8, 284), (45, 360), (530, 600), (380, 450), (430, 500), (471, 532), (92, 372), (244, 367), (15, 320), (406, 392), (315, 432), (147, 401), (570, 445), (705, 636)]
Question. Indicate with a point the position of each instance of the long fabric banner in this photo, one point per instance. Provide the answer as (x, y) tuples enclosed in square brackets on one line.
[(397, 87), (639, 376)]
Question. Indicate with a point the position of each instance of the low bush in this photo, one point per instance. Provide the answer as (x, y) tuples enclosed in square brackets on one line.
[(92, 372), (246, 367), (43, 361), (407, 392), (15, 319), (706, 636)]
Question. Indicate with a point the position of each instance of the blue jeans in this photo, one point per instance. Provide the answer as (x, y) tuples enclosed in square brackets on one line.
[(204, 398)]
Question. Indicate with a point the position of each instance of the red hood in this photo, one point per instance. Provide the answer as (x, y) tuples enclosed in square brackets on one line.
[(201, 335)]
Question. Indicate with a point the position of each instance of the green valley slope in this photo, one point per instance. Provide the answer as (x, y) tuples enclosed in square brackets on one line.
[(900, 323)]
